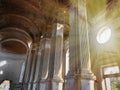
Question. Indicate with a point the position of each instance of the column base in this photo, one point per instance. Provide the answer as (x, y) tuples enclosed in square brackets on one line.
[(51, 84), (29, 86), (43, 85), (70, 83), (87, 79), (83, 81), (25, 86), (87, 84), (57, 83), (34, 87)]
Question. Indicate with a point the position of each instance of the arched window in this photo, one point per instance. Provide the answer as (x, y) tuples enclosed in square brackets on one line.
[(104, 35)]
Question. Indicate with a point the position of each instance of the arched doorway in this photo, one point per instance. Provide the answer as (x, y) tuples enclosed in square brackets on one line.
[(13, 54)]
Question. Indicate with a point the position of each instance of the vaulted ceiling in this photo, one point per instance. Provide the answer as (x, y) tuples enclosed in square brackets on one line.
[(24, 21), (27, 20)]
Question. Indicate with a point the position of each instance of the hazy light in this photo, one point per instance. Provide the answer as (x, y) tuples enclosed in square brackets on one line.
[(29, 44), (1, 72), (67, 62), (41, 36), (59, 26), (2, 63), (104, 35)]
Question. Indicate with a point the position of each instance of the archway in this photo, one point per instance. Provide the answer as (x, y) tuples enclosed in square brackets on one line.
[(13, 53)]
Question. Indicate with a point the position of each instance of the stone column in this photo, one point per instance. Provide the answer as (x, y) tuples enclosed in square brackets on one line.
[(58, 62), (52, 57), (33, 65), (80, 76), (27, 69), (30, 67), (55, 80), (87, 76), (38, 65), (45, 66), (65, 61)]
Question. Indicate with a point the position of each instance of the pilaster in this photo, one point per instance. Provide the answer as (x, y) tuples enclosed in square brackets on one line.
[(80, 76), (30, 67), (58, 62), (55, 80), (45, 67), (39, 64)]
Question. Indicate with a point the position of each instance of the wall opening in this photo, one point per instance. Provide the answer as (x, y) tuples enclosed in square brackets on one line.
[(111, 78), (5, 85)]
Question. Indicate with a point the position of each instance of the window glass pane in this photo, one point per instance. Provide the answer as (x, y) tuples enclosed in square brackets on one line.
[(111, 70), (113, 83)]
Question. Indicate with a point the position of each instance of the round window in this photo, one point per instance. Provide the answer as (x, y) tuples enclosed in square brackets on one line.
[(104, 35)]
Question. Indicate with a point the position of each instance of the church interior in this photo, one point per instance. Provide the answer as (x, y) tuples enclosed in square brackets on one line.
[(59, 44)]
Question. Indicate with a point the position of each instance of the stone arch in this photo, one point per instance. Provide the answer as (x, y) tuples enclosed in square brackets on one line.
[(14, 59)]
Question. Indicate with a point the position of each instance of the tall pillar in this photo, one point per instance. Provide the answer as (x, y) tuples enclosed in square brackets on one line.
[(45, 66), (55, 80), (30, 67), (51, 63), (80, 76), (58, 62), (33, 65), (65, 61), (38, 65)]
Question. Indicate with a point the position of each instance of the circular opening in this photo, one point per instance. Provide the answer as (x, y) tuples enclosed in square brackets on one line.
[(104, 35)]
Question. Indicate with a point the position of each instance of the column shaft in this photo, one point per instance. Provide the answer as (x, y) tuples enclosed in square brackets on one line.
[(45, 69), (39, 65), (27, 69), (52, 57), (30, 68), (58, 62), (80, 76)]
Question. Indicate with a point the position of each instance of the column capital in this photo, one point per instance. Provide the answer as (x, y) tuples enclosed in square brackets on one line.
[(34, 46)]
